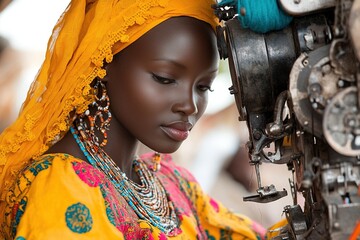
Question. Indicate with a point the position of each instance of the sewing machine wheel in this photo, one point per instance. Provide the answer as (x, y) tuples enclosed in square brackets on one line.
[(341, 123)]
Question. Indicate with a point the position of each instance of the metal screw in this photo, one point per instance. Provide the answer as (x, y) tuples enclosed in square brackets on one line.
[(341, 83), (336, 225), (326, 69), (257, 134), (351, 122)]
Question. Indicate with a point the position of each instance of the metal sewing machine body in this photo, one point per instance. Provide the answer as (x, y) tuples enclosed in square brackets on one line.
[(298, 90)]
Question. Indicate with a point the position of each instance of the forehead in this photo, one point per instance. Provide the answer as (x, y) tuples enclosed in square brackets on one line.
[(178, 28), (177, 39)]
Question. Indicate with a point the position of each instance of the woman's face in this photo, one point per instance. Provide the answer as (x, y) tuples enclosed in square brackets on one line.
[(159, 85)]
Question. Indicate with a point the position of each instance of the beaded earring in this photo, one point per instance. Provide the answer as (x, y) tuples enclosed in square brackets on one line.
[(100, 120), (156, 159)]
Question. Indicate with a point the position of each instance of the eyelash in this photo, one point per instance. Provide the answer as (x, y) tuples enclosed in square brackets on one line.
[(164, 80), (205, 88)]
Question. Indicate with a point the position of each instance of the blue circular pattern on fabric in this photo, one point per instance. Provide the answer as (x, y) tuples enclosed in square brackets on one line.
[(20, 238), (78, 218)]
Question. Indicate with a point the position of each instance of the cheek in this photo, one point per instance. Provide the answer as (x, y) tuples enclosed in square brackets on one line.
[(201, 103), (140, 96)]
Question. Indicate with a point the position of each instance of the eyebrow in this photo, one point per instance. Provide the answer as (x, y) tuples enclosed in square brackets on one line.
[(171, 61), (178, 64)]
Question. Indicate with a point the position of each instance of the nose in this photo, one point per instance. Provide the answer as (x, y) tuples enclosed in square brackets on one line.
[(186, 103)]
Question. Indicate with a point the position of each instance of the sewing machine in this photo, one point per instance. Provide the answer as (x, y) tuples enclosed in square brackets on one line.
[(298, 90)]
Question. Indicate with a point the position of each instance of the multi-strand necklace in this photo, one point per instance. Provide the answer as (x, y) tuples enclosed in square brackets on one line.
[(148, 199)]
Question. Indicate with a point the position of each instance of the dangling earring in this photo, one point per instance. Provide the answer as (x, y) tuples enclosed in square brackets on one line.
[(156, 162), (102, 117)]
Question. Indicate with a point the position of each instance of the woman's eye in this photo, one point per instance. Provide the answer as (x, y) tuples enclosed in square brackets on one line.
[(162, 80), (205, 88)]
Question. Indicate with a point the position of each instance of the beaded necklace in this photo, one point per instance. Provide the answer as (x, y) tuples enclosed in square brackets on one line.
[(148, 199)]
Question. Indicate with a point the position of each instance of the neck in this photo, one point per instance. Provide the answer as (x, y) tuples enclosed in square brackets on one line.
[(121, 147)]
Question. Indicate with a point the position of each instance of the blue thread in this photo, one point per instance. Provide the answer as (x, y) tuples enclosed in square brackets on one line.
[(260, 15), (78, 218)]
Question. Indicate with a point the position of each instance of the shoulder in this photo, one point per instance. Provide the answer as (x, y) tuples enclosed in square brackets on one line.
[(55, 166), (63, 169), (48, 171), (51, 174), (64, 193), (44, 162), (40, 178), (48, 159)]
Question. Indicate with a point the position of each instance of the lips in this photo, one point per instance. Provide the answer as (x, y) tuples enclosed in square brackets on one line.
[(177, 131)]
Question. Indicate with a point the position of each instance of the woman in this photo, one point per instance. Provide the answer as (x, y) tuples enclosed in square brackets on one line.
[(115, 73)]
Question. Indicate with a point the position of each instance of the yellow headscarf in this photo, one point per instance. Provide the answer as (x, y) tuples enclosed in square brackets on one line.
[(88, 32)]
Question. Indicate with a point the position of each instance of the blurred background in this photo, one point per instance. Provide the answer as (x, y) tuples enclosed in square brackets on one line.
[(25, 26), (215, 152)]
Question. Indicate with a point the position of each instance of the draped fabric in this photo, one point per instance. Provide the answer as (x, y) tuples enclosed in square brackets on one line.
[(73, 200)]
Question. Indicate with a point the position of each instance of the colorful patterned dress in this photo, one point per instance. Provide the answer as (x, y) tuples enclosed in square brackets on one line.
[(62, 197)]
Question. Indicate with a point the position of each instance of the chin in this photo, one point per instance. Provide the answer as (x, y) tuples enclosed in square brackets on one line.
[(167, 151), (169, 148)]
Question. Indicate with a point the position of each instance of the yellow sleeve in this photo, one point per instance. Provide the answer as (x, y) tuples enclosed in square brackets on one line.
[(276, 229), (49, 201), (221, 223)]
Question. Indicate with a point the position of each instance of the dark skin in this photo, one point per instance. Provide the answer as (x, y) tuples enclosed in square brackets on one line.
[(158, 89)]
